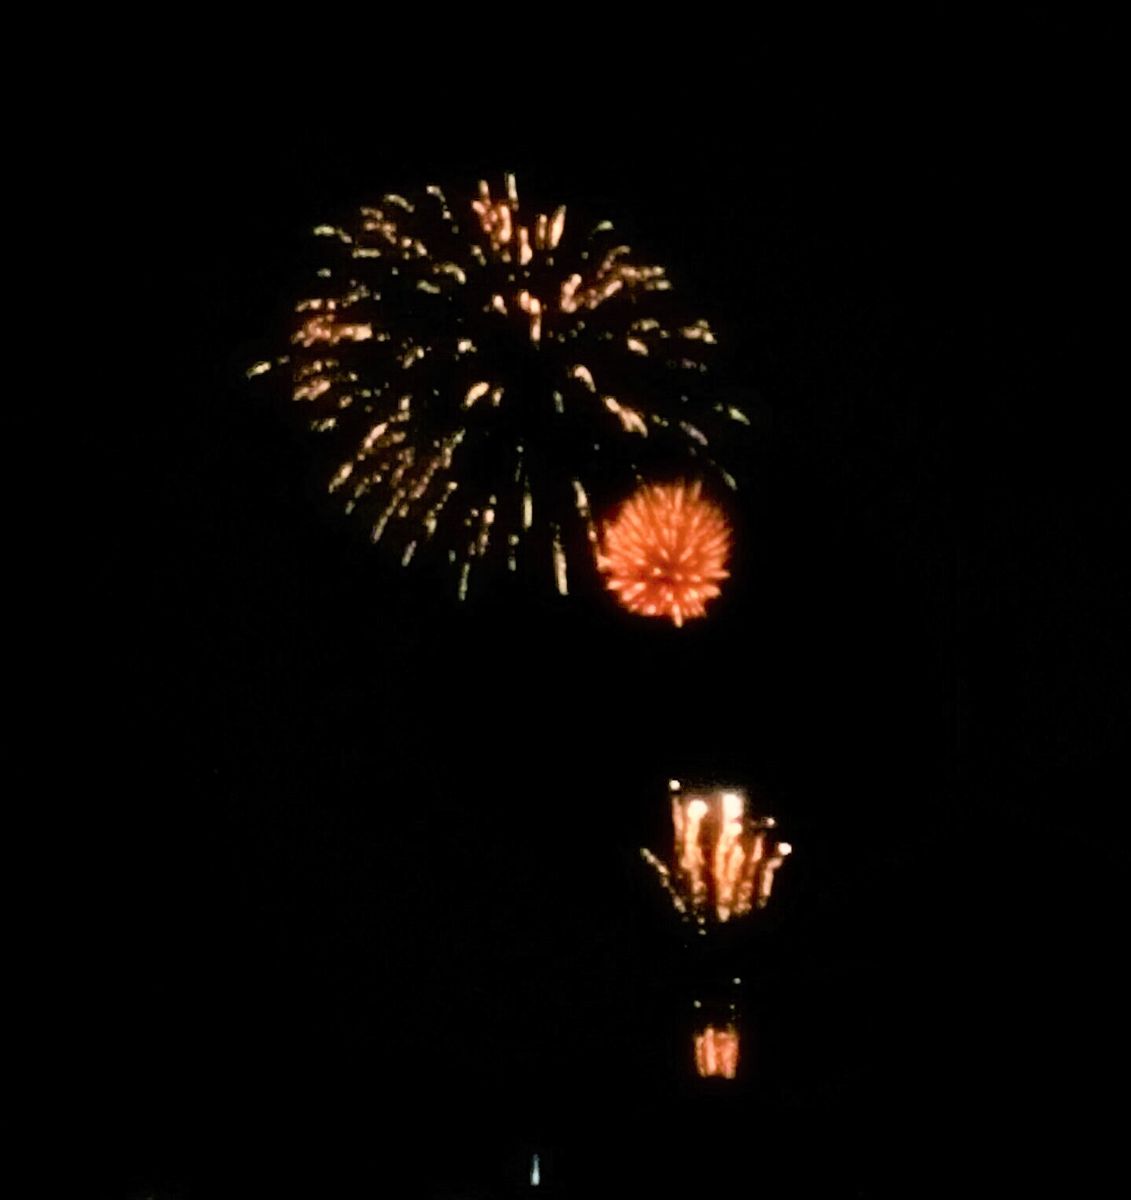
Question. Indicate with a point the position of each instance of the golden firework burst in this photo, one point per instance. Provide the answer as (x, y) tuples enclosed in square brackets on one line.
[(482, 374)]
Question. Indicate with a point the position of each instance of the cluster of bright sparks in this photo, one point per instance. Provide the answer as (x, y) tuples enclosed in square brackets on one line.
[(476, 368), (716, 1051), (724, 858), (665, 552)]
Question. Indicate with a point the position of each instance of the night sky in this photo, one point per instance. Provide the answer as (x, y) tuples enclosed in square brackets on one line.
[(369, 916)]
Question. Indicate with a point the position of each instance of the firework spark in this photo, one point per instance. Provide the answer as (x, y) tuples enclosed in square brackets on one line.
[(716, 1051), (665, 552), (481, 373), (724, 861)]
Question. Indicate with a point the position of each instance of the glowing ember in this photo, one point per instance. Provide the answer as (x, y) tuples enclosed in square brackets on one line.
[(716, 1051), (665, 552), (725, 860)]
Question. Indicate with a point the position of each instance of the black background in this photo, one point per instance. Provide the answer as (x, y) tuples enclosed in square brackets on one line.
[(369, 914)]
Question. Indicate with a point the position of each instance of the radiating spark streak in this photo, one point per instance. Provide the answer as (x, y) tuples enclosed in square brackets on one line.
[(378, 529), (692, 432), (560, 564), (485, 523), (322, 328), (533, 306), (475, 392), (699, 331), (343, 473), (567, 303), (312, 390), (332, 231), (665, 880), (585, 375), (581, 500), (631, 421)]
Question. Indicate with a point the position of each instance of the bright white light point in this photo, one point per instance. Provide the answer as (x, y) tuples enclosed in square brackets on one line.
[(674, 784), (732, 805), (784, 848), (697, 809), (698, 1004), (258, 369), (737, 980)]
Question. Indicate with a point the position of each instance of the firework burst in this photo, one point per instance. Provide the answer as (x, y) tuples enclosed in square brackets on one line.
[(716, 1051), (665, 552), (725, 859), (486, 379)]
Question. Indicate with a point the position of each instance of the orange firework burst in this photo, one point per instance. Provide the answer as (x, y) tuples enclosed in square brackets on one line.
[(716, 1052), (665, 552)]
